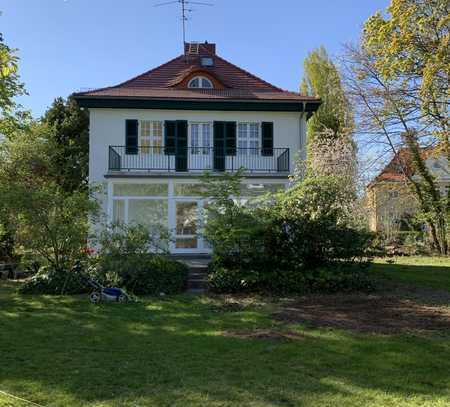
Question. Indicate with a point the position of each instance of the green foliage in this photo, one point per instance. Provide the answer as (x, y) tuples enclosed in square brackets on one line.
[(229, 222), (44, 218), (51, 223), (53, 281), (330, 279), (303, 239), (146, 274), (411, 44), (321, 78), (6, 243), (10, 87), (398, 80), (69, 132), (124, 260)]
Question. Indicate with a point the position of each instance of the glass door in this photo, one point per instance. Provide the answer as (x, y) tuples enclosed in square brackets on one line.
[(200, 146), (186, 225)]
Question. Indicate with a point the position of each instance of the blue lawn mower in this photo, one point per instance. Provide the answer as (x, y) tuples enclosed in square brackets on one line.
[(102, 293)]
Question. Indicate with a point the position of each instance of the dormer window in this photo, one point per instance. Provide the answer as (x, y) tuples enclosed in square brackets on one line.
[(200, 82)]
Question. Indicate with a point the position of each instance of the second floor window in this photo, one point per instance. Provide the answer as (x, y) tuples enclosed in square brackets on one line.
[(248, 139), (200, 138), (151, 137)]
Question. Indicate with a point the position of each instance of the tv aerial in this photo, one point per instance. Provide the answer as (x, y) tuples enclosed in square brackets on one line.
[(185, 9)]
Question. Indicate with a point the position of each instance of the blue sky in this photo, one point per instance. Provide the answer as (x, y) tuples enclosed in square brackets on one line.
[(68, 45)]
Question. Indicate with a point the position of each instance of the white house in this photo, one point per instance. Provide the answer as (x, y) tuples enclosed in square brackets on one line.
[(153, 135)]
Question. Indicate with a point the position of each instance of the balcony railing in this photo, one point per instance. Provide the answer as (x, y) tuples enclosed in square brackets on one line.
[(161, 159)]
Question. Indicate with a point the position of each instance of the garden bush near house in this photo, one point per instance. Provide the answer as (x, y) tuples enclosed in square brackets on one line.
[(143, 274), (302, 240), (133, 257), (51, 281)]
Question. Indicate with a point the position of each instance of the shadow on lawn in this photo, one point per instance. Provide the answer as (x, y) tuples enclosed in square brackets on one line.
[(437, 271), (418, 279), (170, 352)]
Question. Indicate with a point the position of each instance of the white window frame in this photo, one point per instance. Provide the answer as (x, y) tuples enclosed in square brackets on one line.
[(245, 143), (151, 137), (199, 144), (201, 83), (171, 199)]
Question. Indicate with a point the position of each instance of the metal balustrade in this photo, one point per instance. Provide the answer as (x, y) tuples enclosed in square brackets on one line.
[(198, 159)]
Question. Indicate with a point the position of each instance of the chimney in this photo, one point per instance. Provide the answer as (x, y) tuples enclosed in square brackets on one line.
[(199, 49)]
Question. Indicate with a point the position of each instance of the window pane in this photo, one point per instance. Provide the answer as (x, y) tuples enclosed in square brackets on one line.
[(194, 137), (206, 137), (118, 211), (249, 190), (188, 189), (253, 130), (186, 218), (147, 212), (194, 83), (150, 137), (206, 83), (140, 189)]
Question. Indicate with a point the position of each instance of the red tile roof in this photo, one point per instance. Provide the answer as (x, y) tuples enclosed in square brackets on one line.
[(397, 169), (167, 81)]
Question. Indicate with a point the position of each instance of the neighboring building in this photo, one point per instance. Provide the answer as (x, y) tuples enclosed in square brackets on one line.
[(389, 197), (153, 135)]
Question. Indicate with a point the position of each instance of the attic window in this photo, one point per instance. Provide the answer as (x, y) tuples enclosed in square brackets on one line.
[(206, 61), (200, 82)]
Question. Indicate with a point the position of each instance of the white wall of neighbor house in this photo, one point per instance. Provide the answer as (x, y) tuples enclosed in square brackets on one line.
[(107, 127)]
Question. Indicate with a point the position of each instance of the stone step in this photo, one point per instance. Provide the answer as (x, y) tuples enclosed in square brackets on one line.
[(195, 291), (197, 273), (197, 284)]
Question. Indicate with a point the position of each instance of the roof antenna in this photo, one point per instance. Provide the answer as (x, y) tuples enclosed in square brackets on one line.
[(184, 10)]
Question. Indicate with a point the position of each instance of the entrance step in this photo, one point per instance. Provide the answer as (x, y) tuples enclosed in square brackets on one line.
[(197, 282)]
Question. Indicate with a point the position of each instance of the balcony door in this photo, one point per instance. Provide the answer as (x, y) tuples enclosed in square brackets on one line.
[(200, 151)]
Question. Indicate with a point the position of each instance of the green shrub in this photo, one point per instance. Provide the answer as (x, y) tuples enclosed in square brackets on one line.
[(54, 282), (299, 281), (143, 274), (305, 239), (123, 260)]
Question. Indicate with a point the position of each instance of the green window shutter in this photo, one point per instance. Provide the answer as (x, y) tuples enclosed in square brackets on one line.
[(230, 138), (219, 146), (181, 143), (267, 138), (170, 137), (131, 136)]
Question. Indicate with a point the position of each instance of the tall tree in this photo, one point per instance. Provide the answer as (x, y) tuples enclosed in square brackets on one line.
[(69, 129), (10, 87), (321, 78), (398, 80)]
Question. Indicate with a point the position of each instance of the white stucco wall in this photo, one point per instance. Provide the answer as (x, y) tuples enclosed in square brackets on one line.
[(107, 127)]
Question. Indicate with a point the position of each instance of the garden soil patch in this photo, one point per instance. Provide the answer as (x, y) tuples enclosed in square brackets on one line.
[(381, 314)]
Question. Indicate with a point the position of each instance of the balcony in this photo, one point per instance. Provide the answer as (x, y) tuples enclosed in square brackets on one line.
[(198, 159)]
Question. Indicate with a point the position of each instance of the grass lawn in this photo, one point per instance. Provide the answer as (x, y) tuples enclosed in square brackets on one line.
[(178, 351), (432, 272)]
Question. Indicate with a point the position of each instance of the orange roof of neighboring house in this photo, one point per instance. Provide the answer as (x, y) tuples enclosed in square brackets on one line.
[(169, 81), (398, 168)]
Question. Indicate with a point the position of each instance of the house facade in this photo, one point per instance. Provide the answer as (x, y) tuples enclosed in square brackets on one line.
[(389, 197), (152, 136)]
